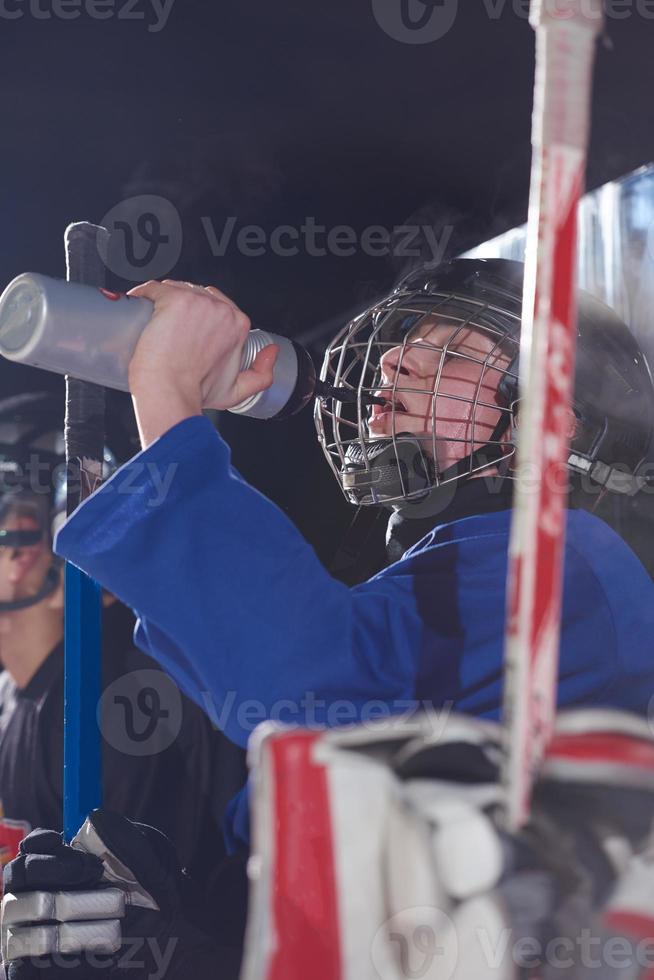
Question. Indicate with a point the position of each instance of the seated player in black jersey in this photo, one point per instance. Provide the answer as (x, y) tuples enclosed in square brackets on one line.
[(164, 763)]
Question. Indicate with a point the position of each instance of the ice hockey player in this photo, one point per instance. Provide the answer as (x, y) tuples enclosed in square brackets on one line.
[(231, 598), (258, 615), (163, 763)]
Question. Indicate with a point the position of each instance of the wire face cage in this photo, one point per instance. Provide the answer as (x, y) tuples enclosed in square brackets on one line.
[(431, 381)]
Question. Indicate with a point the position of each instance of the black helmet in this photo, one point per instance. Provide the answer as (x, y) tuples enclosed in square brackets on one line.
[(613, 400), (33, 476)]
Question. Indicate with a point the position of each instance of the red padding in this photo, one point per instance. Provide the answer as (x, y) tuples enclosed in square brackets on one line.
[(631, 924), (603, 747), (636, 926), (305, 909)]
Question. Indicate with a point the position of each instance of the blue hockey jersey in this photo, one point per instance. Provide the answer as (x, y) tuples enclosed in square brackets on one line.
[(235, 605)]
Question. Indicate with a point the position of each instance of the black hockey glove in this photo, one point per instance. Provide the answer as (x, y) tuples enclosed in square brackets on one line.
[(111, 905)]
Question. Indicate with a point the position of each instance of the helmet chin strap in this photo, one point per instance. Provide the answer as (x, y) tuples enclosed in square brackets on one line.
[(50, 583), (442, 495), (455, 476)]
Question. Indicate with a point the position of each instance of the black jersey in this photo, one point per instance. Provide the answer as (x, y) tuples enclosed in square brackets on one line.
[(163, 762)]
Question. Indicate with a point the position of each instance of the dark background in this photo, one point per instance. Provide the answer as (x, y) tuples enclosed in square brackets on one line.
[(270, 112)]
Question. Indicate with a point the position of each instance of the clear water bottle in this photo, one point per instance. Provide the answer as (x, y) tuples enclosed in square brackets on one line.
[(91, 334)]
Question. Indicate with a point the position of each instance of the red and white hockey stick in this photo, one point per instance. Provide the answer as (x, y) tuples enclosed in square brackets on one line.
[(566, 32)]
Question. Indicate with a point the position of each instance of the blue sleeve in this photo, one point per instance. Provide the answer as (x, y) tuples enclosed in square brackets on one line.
[(232, 601)]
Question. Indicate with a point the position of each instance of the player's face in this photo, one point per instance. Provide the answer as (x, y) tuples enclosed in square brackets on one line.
[(432, 385), (22, 566)]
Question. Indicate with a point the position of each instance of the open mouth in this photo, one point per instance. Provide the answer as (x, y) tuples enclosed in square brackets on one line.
[(390, 405)]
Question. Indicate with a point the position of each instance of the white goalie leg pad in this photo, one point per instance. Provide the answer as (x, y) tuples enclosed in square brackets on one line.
[(483, 933), (414, 926), (317, 899), (377, 855), (364, 810), (293, 929), (356, 873)]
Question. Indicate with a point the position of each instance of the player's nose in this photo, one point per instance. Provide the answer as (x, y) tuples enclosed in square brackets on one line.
[(393, 362)]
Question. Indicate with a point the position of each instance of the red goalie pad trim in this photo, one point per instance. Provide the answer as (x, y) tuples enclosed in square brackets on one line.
[(603, 747), (631, 924), (305, 907), (638, 927)]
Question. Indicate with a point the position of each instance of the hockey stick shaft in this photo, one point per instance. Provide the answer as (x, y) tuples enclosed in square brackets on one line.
[(566, 32), (84, 434)]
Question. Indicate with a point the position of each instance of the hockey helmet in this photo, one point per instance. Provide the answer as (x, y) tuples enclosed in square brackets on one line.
[(613, 400)]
